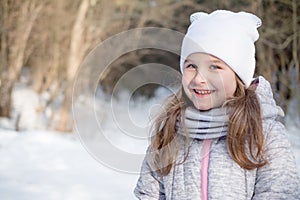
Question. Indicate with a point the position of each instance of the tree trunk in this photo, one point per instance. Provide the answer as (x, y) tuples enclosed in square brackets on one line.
[(5, 100), (65, 123), (77, 51), (17, 22)]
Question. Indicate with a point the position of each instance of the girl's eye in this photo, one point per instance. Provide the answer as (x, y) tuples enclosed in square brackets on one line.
[(191, 66), (214, 67)]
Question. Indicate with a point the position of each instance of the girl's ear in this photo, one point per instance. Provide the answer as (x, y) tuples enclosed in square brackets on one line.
[(254, 84)]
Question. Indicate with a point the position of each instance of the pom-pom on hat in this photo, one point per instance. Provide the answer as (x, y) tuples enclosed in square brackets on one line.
[(227, 35)]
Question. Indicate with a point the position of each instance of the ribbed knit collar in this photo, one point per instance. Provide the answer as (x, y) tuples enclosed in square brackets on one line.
[(204, 124)]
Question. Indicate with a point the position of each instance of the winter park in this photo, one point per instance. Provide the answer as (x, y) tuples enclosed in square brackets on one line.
[(85, 83)]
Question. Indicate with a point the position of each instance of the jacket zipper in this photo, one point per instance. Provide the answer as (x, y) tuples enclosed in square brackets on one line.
[(204, 168)]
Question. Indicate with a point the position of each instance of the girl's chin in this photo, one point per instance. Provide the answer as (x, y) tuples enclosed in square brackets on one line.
[(203, 107)]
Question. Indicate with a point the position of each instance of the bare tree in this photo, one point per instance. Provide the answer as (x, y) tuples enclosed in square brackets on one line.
[(94, 22), (17, 19), (78, 48)]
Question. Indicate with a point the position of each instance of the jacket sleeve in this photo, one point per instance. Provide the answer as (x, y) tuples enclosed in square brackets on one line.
[(149, 185), (278, 179)]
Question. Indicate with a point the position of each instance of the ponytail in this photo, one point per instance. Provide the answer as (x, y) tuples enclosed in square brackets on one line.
[(245, 138), (163, 148)]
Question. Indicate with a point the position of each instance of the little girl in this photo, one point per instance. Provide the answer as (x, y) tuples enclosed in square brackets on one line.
[(219, 138)]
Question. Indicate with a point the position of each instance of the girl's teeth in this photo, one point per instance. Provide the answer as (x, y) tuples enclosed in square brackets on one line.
[(203, 91)]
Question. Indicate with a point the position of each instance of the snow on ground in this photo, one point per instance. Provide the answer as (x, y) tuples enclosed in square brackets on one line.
[(40, 164), (47, 165)]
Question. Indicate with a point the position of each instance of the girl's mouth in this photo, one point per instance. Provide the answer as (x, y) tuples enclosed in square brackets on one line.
[(202, 92)]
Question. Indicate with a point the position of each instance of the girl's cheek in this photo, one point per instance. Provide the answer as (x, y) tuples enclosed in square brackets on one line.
[(185, 80), (185, 85)]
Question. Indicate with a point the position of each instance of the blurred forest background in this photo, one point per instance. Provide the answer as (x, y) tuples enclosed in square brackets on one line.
[(48, 40)]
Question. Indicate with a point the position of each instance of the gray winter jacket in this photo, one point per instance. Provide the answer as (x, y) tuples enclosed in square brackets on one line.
[(226, 179)]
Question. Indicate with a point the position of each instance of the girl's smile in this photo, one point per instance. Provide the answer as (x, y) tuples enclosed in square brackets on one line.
[(202, 93), (207, 81)]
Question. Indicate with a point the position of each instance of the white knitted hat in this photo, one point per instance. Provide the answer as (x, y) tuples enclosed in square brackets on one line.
[(227, 35)]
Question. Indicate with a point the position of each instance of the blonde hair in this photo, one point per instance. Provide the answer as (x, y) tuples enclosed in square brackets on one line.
[(244, 139)]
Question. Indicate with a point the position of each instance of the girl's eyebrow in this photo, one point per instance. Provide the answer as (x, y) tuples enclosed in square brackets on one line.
[(209, 61), (216, 61), (186, 60)]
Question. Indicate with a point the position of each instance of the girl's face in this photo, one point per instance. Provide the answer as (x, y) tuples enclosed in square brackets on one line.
[(207, 81)]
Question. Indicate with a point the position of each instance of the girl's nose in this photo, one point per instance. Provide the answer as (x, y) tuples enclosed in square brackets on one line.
[(199, 77)]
